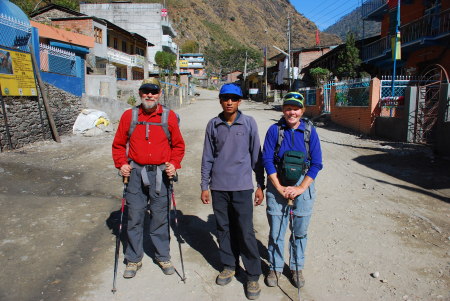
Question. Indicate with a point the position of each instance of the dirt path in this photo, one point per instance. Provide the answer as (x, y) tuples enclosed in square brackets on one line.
[(381, 207)]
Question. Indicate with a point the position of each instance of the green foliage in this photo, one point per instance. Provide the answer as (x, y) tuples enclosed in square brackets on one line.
[(166, 61), (131, 100), (219, 36), (319, 75), (232, 59), (28, 6), (348, 59), (190, 46)]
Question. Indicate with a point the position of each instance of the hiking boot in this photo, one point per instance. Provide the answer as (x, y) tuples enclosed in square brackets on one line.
[(225, 277), (301, 280), (272, 278), (166, 267), (131, 269), (253, 290)]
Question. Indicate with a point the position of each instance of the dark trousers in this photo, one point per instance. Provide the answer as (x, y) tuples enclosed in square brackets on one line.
[(234, 218), (137, 197)]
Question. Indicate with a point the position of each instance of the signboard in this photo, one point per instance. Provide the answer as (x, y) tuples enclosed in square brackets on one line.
[(184, 63), (16, 73), (164, 12)]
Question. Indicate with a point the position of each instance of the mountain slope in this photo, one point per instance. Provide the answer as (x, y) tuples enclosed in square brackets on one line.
[(352, 22), (252, 23)]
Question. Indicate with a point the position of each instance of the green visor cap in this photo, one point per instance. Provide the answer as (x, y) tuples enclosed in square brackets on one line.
[(294, 98)]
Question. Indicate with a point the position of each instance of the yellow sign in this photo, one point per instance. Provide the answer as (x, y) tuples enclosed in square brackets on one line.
[(184, 63), (16, 74), (396, 52)]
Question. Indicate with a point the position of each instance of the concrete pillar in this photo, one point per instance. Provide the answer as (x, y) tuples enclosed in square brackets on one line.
[(410, 112)]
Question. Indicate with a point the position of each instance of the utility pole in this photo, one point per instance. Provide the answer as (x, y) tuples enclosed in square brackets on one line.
[(265, 67), (397, 36), (289, 51)]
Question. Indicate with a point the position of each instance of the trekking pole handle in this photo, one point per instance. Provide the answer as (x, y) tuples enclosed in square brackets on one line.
[(290, 202)]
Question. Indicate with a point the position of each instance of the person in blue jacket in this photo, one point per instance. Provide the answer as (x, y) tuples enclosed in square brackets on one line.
[(302, 192)]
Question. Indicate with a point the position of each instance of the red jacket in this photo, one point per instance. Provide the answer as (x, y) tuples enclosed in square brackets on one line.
[(154, 151)]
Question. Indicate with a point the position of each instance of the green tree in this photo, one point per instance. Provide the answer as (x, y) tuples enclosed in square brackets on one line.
[(319, 75), (231, 59), (190, 46), (166, 61), (348, 59)]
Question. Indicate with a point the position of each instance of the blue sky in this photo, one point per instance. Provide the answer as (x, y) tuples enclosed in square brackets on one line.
[(325, 12)]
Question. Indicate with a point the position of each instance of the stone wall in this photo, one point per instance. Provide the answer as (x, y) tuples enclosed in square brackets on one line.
[(27, 119)]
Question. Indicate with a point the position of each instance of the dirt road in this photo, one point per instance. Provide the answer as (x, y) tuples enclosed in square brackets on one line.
[(382, 207)]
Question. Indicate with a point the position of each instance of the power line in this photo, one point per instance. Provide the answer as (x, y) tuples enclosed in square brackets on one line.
[(330, 9), (341, 14), (315, 8)]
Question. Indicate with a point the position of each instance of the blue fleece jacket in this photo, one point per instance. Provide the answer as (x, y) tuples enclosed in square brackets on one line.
[(293, 140)]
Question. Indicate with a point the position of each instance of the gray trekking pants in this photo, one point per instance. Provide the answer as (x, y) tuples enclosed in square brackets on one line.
[(138, 196)]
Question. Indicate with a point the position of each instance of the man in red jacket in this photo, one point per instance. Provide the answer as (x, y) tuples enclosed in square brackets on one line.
[(155, 150)]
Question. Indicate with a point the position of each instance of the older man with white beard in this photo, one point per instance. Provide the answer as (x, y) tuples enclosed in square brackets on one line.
[(148, 148)]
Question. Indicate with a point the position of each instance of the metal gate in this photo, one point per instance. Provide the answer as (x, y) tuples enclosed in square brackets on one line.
[(427, 105), (327, 97)]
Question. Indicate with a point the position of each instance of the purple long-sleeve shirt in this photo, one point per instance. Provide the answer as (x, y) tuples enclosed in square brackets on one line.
[(230, 154)]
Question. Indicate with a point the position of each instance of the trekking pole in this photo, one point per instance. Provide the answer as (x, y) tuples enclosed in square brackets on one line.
[(116, 257), (294, 246), (179, 239)]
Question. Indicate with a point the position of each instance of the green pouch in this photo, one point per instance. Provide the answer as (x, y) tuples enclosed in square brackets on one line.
[(292, 167)]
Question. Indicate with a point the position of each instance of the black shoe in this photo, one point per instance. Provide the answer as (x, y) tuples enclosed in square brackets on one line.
[(225, 276), (272, 278), (301, 280), (252, 292), (131, 269)]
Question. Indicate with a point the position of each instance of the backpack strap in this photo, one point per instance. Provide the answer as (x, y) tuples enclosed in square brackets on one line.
[(165, 124), (134, 120), (306, 135), (279, 140)]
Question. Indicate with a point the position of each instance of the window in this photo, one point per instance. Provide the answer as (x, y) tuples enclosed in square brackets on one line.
[(124, 46), (116, 43), (98, 35), (196, 71), (139, 51)]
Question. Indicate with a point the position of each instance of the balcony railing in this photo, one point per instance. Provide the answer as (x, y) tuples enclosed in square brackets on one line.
[(376, 49), (126, 59), (428, 27), (167, 28), (168, 44), (137, 60), (371, 6)]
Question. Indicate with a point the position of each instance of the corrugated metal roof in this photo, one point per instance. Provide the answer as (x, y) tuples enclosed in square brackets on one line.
[(54, 33)]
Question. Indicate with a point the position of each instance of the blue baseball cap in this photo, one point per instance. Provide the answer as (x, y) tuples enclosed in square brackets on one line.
[(231, 89)]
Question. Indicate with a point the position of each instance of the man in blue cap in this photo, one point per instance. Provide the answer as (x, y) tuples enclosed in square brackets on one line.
[(231, 152)]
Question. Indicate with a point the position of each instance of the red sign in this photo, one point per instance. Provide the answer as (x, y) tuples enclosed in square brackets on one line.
[(164, 12)]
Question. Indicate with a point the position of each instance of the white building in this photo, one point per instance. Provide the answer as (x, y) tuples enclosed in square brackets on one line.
[(146, 19)]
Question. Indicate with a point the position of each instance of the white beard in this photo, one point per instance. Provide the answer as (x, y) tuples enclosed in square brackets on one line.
[(148, 106)]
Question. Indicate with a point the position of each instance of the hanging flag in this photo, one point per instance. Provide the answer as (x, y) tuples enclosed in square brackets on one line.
[(317, 37), (396, 47)]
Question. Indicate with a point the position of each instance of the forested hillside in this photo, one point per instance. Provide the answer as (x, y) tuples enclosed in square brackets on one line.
[(352, 22)]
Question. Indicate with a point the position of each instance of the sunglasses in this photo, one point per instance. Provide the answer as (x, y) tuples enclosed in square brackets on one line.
[(150, 91), (294, 95), (232, 97)]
